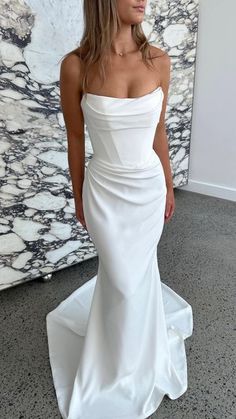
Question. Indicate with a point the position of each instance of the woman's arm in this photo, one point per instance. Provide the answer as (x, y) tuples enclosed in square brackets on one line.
[(71, 93), (160, 144)]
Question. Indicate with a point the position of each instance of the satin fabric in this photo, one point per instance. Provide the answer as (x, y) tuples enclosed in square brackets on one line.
[(116, 344)]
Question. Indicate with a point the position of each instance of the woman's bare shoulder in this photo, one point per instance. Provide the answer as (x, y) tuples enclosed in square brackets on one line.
[(159, 53), (71, 65), (162, 62)]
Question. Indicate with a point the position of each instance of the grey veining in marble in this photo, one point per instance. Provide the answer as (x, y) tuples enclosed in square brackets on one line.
[(38, 229)]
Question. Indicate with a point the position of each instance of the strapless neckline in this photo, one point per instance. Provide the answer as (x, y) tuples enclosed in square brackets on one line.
[(159, 88)]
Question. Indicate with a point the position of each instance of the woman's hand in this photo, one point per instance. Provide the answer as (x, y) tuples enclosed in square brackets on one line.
[(170, 204), (79, 212)]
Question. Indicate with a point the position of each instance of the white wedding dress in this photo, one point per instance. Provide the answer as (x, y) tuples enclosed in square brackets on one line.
[(116, 344)]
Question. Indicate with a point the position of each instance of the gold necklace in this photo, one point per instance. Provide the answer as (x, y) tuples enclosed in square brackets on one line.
[(121, 54)]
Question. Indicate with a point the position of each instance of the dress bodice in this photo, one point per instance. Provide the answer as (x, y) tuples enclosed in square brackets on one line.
[(122, 130)]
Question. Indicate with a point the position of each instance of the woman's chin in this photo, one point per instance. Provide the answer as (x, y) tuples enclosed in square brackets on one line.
[(137, 20)]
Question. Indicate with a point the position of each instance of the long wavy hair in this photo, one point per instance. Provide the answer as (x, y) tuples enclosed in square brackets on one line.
[(101, 23)]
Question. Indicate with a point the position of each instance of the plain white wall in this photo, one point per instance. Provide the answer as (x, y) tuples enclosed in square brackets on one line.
[(212, 163)]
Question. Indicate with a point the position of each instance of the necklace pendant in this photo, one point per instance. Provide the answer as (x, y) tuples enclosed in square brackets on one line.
[(121, 53)]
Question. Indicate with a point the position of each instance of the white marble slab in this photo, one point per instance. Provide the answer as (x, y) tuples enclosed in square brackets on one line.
[(38, 229)]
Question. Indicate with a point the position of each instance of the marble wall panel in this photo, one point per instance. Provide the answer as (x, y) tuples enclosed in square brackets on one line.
[(39, 233)]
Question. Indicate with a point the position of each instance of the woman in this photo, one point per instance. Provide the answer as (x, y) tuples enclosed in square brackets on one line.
[(116, 344)]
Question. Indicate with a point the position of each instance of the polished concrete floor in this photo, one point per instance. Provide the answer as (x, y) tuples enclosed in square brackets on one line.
[(197, 258)]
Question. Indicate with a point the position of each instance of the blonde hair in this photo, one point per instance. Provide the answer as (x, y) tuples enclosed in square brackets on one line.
[(101, 23)]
